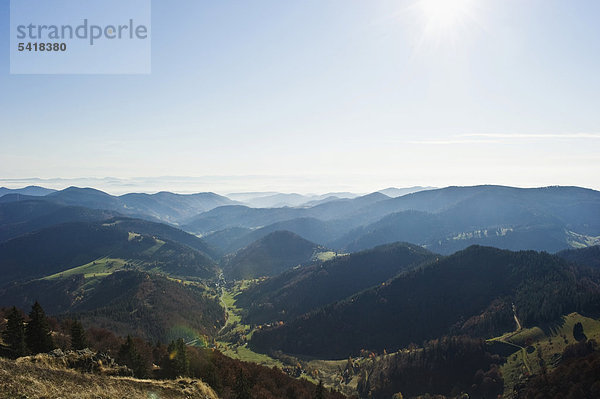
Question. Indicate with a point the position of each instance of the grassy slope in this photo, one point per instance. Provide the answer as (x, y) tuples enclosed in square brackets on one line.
[(20, 379), (551, 341), (59, 249), (313, 370), (150, 306), (98, 268), (234, 328), (325, 256)]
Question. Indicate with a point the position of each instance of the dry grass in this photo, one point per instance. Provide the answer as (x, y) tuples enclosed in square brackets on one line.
[(25, 379)]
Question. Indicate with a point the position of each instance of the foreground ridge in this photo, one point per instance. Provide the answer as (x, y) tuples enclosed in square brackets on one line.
[(38, 377)]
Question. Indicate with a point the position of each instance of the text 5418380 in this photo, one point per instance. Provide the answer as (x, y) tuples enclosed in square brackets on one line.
[(34, 46)]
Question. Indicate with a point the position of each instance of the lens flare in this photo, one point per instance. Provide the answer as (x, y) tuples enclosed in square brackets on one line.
[(446, 18)]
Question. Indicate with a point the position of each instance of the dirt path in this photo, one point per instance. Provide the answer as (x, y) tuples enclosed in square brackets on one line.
[(514, 308), (222, 283)]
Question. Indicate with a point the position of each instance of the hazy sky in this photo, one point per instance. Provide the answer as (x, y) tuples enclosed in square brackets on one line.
[(319, 95)]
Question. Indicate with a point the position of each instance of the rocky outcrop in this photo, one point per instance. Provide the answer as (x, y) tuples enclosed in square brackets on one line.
[(83, 360)]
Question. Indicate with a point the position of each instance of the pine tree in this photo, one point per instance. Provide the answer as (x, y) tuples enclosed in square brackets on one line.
[(37, 332), (320, 391), (177, 364), (578, 333), (14, 335), (242, 388), (130, 357), (78, 336)]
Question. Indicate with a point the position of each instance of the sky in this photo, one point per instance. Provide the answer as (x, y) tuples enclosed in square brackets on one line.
[(320, 96)]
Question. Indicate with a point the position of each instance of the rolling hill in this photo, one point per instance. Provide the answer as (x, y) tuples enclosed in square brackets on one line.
[(36, 191), (150, 306), (451, 219), (125, 302), (447, 233), (164, 231), (228, 240), (395, 192), (279, 200), (173, 208), (444, 220), (589, 256), (242, 216), (234, 238), (21, 217), (82, 254), (229, 216), (469, 291), (163, 206), (574, 206), (270, 255), (298, 291), (59, 248)]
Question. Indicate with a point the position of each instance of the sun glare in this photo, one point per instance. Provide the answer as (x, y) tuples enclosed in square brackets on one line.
[(445, 17)]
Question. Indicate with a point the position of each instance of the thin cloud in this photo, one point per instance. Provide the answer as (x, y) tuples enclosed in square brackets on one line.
[(534, 136), (499, 138), (453, 141)]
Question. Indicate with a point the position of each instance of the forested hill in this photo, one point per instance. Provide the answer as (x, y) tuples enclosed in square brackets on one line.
[(270, 255), (22, 217), (62, 247), (589, 256), (125, 302), (298, 291), (470, 291)]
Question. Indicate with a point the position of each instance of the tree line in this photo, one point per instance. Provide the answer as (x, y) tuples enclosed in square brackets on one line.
[(230, 378), (24, 337), (448, 366)]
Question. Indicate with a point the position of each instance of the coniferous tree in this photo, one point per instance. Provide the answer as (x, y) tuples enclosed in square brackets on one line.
[(37, 333), (242, 388), (320, 391), (127, 353), (78, 336), (177, 362), (578, 333), (14, 335), (130, 356)]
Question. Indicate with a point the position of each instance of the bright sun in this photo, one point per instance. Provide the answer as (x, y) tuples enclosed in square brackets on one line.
[(445, 16)]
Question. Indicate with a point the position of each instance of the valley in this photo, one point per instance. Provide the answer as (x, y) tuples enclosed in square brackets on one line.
[(445, 292), (300, 200)]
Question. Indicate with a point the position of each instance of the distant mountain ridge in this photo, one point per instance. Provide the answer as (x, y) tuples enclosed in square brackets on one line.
[(36, 191), (242, 216), (451, 219), (443, 220), (234, 238), (394, 192), (276, 200), (164, 206)]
